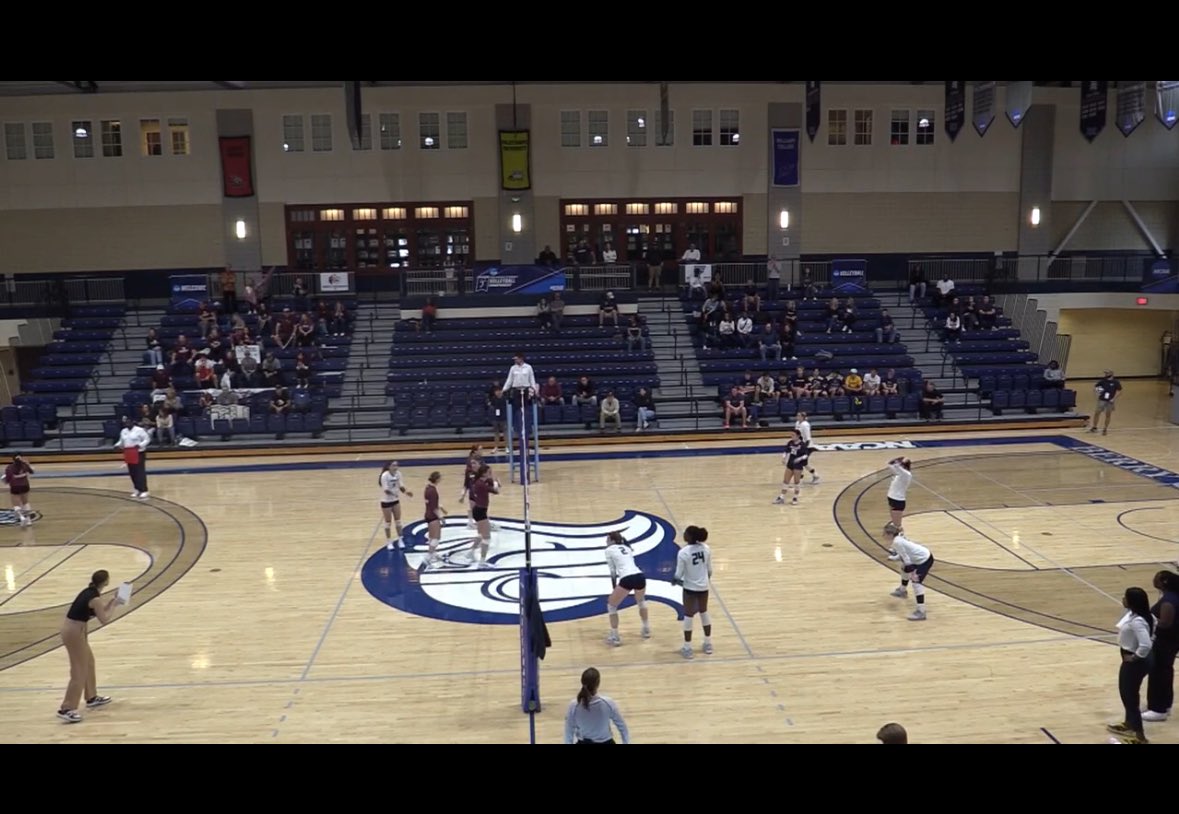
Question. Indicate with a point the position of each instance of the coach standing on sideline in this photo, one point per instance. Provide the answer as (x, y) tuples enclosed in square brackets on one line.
[(134, 440)]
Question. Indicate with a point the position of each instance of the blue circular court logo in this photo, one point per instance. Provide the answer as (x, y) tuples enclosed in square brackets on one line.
[(572, 574)]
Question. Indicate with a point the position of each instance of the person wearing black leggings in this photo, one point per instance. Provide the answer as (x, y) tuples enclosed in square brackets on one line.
[(1160, 685), (1134, 637)]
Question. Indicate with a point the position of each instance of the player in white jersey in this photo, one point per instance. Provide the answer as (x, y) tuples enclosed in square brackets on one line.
[(916, 560), (391, 492), (625, 576), (902, 476), (804, 429), (693, 570), (794, 459)]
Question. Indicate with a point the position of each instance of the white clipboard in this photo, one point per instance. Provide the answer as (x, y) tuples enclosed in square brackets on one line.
[(124, 593)]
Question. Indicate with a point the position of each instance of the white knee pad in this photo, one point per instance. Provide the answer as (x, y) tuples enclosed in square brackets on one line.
[(642, 605), (688, 623), (918, 589), (705, 619), (612, 610)]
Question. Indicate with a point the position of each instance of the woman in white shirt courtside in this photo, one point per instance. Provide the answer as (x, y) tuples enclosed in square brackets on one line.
[(898, 490), (391, 492), (693, 571), (625, 576), (589, 716), (1135, 630)]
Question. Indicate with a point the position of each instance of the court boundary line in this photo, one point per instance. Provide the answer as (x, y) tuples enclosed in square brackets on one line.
[(1143, 533)]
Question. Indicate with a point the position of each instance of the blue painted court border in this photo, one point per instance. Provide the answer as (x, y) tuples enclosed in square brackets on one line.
[(1151, 471)]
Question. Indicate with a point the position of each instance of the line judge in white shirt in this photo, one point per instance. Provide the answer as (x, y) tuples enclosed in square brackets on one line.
[(916, 560), (520, 379), (898, 490), (1135, 632), (135, 437), (589, 716)]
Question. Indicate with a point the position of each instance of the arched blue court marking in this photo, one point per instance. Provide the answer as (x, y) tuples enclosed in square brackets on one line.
[(570, 561)]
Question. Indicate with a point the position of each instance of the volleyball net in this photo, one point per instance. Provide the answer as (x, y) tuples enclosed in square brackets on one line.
[(531, 620)]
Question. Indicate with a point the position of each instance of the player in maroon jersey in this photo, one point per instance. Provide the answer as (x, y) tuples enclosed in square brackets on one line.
[(482, 488), (16, 475), (434, 515)]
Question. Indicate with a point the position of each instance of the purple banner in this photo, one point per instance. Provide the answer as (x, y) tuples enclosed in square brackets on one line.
[(982, 112), (955, 108), (784, 144), (1131, 109), (1094, 103), (814, 109)]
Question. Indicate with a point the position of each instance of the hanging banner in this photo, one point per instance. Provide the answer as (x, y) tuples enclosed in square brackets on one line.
[(849, 277), (189, 291), (513, 160), (1094, 101), (1167, 104), (1131, 106), (814, 109), (982, 111), (784, 144), (236, 175), (955, 108), (519, 280), (1019, 99)]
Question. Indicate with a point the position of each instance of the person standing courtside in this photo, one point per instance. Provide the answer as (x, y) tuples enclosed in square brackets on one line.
[(1160, 685), (75, 636), (1135, 629), (1107, 389), (693, 572), (898, 490), (134, 440), (589, 716), (916, 561)]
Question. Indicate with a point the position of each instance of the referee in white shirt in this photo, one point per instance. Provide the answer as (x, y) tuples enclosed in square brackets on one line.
[(520, 379), (898, 490), (590, 714), (137, 437)]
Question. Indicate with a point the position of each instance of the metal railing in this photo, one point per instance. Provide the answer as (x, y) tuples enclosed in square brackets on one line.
[(1032, 321), (1124, 267), (56, 292)]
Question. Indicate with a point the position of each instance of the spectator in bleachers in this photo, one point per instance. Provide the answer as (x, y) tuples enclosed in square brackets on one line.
[(608, 307), (635, 342), (773, 278), (582, 254), (339, 319), (226, 397), (302, 372), (834, 309), (172, 402), (735, 406), (154, 355), (916, 285), (834, 383), (299, 295), (769, 343), (265, 320), (165, 428), (785, 390), (240, 337), (748, 384), (611, 411), (229, 290), (585, 392), (817, 383), (284, 329), (987, 315), (766, 388), (945, 290), (751, 302), (147, 420), (645, 408), (654, 258), (280, 403), (497, 409), (249, 372), (305, 333), (726, 331), (547, 257), (429, 315), (205, 375), (953, 327), (161, 379), (711, 305), (609, 256), (931, 403), (181, 357), (237, 323), (543, 315), (887, 332), (322, 313), (696, 290), (890, 385), (1054, 376), (807, 286), (745, 330), (214, 347), (969, 317), (800, 385), (872, 383), (550, 392), (853, 388), (271, 371), (557, 311), (207, 319)]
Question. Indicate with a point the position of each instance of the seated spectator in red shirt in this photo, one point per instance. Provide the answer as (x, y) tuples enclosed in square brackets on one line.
[(550, 392)]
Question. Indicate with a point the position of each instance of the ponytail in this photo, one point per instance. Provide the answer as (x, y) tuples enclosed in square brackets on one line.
[(695, 534), (590, 679), (384, 469)]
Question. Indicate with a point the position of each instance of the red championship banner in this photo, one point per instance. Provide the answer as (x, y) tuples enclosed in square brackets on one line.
[(235, 167)]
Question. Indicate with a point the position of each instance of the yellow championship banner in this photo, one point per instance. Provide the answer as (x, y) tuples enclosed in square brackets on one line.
[(513, 160)]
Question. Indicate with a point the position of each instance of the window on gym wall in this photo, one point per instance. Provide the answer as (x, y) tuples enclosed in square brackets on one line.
[(730, 128), (925, 126), (15, 146), (178, 133), (292, 133), (632, 226), (429, 131), (599, 128), (83, 135), (636, 128), (321, 132), (112, 138), (570, 128), (456, 131), (43, 140), (390, 131), (899, 128), (837, 128), (863, 124), (701, 128)]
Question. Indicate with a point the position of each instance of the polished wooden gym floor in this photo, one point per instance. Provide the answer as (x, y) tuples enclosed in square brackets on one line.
[(267, 609)]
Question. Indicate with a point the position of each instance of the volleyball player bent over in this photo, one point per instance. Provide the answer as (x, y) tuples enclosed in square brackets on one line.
[(391, 492), (625, 576), (916, 560), (693, 571), (482, 488), (902, 478), (795, 459)]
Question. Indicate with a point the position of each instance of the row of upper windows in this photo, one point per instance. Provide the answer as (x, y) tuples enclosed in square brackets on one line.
[(158, 137)]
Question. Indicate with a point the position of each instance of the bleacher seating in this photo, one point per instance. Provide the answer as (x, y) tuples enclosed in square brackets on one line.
[(328, 361), (442, 379)]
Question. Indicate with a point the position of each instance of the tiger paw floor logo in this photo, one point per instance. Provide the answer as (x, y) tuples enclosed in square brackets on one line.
[(573, 576), (10, 518)]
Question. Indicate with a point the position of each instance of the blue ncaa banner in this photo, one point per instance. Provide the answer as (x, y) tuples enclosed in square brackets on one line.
[(784, 144), (189, 290), (519, 280), (849, 277)]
